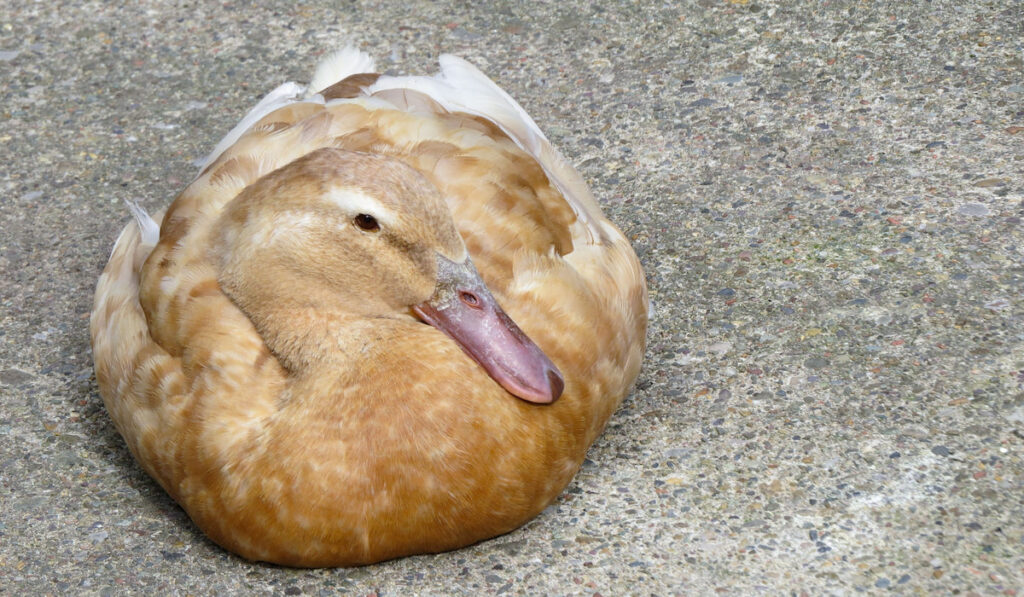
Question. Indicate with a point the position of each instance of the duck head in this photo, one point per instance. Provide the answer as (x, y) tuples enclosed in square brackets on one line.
[(370, 235)]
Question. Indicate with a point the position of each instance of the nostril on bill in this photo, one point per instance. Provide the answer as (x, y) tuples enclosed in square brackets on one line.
[(470, 299)]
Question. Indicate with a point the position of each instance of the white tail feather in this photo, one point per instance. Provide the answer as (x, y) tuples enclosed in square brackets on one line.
[(148, 228), (340, 64)]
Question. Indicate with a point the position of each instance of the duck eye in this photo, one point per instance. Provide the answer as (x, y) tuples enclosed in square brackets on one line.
[(366, 222)]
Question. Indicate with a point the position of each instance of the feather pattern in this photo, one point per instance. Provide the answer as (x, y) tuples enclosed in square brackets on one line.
[(260, 358), (461, 87), (148, 228), (340, 65), (286, 93)]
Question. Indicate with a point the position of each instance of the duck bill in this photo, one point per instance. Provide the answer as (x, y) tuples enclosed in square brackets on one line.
[(463, 308)]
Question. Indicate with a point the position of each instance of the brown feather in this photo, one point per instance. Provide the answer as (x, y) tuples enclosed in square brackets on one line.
[(351, 86), (293, 429)]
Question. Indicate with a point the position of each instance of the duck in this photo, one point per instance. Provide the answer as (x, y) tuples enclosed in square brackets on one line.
[(386, 318)]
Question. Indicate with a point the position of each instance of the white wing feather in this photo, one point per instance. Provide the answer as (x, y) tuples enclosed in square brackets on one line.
[(285, 94), (461, 87), (331, 69)]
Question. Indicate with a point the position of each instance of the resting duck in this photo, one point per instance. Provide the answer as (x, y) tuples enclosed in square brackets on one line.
[(386, 318)]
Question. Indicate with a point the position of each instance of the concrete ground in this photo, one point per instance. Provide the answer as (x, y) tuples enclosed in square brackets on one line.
[(827, 198)]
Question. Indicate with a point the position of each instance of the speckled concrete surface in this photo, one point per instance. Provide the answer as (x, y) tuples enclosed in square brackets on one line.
[(827, 197)]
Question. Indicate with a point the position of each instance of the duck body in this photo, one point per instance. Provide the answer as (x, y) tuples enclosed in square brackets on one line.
[(264, 353)]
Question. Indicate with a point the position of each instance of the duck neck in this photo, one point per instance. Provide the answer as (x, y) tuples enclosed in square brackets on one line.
[(305, 327)]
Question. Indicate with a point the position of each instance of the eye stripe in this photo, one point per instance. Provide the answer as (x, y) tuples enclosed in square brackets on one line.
[(354, 202)]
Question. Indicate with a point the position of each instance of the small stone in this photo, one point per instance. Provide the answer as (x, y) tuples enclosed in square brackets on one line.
[(464, 35), (729, 80), (726, 292), (11, 377), (877, 315), (999, 304), (974, 209), (940, 450), (513, 547), (882, 583), (816, 363)]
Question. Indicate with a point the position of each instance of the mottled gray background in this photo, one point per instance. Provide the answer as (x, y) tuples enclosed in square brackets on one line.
[(827, 198)]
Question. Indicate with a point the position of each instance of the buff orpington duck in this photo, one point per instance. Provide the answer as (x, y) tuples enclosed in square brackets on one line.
[(386, 318)]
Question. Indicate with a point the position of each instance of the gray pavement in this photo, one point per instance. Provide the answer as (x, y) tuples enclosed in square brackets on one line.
[(827, 198)]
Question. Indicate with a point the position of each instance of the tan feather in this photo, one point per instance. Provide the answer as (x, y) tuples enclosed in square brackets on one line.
[(260, 365)]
